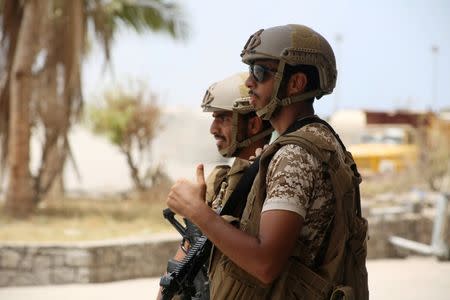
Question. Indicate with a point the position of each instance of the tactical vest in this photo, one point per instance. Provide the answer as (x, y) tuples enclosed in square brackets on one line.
[(224, 185), (222, 181), (214, 182), (342, 272)]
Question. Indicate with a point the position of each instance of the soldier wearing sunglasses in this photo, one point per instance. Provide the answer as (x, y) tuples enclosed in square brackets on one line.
[(301, 235)]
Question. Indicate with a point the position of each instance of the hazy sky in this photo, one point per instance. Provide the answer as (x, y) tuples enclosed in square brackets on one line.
[(384, 59)]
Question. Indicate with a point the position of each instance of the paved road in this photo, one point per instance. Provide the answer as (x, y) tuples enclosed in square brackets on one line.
[(412, 278)]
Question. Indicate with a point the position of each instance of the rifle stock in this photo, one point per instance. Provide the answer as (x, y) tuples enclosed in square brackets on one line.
[(181, 281)]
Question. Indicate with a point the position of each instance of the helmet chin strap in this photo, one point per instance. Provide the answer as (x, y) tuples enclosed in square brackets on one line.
[(267, 111), (247, 142), (300, 97), (230, 151)]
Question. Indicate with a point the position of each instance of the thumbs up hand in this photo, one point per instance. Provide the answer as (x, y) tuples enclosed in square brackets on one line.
[(201, 180), (187, 198)]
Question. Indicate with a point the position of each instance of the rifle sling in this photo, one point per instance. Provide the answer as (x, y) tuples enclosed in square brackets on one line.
[(238, 198)]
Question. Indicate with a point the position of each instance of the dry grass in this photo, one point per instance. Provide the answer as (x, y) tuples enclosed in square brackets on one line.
[(82, 218), (140, 214)]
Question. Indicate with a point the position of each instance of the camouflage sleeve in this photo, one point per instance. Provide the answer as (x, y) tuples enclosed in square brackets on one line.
[(290, 180)]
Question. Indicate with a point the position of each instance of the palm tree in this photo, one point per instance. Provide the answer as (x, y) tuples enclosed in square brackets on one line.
[(43, 44)]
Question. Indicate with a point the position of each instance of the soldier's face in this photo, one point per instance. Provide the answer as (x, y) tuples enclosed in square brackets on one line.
[(221, 127), (261, 90)]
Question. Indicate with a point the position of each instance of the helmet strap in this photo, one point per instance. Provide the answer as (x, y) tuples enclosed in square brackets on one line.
[(249, 141), (230, 151), (300, 97), (267, 111)]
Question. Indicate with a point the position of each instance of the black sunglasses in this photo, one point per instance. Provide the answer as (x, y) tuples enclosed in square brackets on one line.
[(259, 72)]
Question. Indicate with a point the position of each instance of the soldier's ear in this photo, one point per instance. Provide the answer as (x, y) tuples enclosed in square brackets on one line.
[(254, 126), (296, 84)]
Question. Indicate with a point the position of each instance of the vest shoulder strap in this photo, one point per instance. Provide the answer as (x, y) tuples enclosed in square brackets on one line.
[(214, 180), (236, 203)]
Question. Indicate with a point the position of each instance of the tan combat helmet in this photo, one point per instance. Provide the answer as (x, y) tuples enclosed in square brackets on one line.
[(231, 94), (294, 45)]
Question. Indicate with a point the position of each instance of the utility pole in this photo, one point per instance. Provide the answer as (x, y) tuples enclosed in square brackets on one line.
[(338, 39), (434, 77)]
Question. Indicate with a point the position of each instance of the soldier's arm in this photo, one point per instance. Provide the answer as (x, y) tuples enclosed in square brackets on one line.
[(263, 256)]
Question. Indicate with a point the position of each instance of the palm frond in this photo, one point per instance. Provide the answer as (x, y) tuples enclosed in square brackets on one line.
[(154, 15), (141, 15)]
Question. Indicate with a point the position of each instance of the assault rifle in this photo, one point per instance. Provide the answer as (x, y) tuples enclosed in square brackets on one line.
[(188, 277), (190, 232)]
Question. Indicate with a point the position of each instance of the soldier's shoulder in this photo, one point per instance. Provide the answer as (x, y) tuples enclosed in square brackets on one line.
[(292, 158), (217, 174), (321, 132)]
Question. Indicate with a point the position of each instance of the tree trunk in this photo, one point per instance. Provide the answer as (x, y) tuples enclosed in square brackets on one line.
[(134, 171), (19, 196)]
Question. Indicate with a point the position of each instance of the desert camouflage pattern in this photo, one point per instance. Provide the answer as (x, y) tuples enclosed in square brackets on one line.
[(319, 204), (295, 182)]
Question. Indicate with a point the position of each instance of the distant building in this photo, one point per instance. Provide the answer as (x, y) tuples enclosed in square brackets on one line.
[(384, 140)]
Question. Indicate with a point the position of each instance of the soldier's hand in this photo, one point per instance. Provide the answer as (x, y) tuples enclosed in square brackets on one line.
[(258, 152), (200, 172), (187, 198)]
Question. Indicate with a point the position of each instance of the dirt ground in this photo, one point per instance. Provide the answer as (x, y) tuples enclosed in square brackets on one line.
[(413, 278)]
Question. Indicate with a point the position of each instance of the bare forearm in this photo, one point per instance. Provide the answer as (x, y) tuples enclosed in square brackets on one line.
[(249, 252), (263, 256)]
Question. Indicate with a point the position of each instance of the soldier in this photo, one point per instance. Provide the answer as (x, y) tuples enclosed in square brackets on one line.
[(301, 235), (238, 132)]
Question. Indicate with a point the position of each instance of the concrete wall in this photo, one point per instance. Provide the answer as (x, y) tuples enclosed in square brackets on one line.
[(409, 226), (40, 264)]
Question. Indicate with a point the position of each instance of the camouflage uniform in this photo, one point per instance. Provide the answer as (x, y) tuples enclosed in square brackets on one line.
[(295, 182)]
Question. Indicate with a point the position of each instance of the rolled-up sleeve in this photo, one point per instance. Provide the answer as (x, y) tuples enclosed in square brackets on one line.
[(290, 180)]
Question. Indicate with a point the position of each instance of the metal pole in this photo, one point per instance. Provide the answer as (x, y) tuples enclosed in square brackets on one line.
[(434, 75), (438, 247), (338, 40), (438, 239)]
